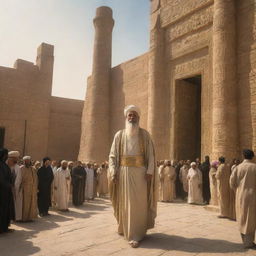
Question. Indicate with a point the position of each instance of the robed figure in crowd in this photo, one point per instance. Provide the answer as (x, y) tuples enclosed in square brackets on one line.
[(102, 181), (205, 168), (89, 184), (213, 183), (29, 186), (78, 175), (243, 181), (45, 179), (167, 183), (194, 185), (133, 190), (222, 176), (62, 181), (6, 194)]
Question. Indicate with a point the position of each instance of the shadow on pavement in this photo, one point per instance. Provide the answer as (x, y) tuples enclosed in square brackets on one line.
[(17, 244), (193, 245)]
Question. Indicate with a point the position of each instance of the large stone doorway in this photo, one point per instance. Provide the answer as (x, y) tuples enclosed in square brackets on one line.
[(188, 118)]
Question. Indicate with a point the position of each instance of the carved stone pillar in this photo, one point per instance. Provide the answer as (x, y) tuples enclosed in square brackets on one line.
[(95, 144), (225, 138), (158, 121)]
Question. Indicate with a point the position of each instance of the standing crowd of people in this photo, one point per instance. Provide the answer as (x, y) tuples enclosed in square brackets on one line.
[(230, 186), (29, 188)]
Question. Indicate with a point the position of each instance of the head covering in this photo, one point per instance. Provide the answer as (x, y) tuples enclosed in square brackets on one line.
[(26, 158), (70, 162), (36, 163), (215, 163), (166, 161), (193, 163), (14, 154), (46, 159), (64, 161), (130, 108)]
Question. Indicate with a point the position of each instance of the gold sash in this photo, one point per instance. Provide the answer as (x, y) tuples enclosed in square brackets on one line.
[(132, 161)]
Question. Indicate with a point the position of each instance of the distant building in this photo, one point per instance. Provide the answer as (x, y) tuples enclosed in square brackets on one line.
[(31, 120)]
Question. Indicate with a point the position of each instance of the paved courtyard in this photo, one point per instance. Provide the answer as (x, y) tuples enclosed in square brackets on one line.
[(181, 229)]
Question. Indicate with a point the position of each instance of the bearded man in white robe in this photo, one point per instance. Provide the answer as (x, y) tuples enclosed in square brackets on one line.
[(62, 186), (133, 189)]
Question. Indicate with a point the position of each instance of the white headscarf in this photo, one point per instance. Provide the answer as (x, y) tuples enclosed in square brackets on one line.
[(26, 158), (193, 163), (130, 108)]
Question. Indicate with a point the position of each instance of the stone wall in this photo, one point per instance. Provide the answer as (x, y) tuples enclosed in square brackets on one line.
[(129, 85), (30, 114), (246, 75), (64, 128)]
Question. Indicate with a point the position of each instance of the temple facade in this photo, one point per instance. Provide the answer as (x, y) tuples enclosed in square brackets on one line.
[(196, 86)]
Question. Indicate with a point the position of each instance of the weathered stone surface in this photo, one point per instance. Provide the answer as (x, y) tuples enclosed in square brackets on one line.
[(25, 94)]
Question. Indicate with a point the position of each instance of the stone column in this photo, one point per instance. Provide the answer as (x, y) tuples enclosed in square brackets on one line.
[(225, 138), (157, 91), (95, 144)]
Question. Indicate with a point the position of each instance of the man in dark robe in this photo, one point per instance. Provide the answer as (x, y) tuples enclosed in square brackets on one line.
[(205, 168), (78, 175), (178, 185), (45, 179), (6, 195)]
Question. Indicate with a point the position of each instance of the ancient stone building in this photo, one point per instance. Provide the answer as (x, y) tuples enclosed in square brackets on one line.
[(31, 120), (196, 86)]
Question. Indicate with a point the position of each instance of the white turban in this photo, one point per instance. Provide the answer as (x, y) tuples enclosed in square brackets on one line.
[(193, 163), (26, 158), (15, 154), (64, 162), (130, 108)]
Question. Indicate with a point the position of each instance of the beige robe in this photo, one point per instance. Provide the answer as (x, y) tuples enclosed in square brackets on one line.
[(222, 176), (232, 198), (213, 187), (29, 185), (195, 195), (167, 191), (243, 180), (18, 196), (183, 177), (102, 186), (62, 187), (133, 198)]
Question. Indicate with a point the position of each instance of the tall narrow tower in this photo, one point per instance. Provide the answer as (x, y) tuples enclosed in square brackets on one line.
[(95, 135)]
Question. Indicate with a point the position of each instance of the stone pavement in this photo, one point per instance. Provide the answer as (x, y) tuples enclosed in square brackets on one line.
[(181, 229)]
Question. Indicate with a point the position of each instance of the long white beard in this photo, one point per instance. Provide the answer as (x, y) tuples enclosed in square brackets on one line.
[(131, 129)]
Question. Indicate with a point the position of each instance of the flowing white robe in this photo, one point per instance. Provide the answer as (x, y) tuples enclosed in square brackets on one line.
[(89, 185), (18, 192), (195, 195), (132, 208), (62, 188)]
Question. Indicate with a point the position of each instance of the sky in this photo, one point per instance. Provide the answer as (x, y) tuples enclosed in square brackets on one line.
[(68, 25)]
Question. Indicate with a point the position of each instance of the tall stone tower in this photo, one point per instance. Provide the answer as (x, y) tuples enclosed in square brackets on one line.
[(95, 133)]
